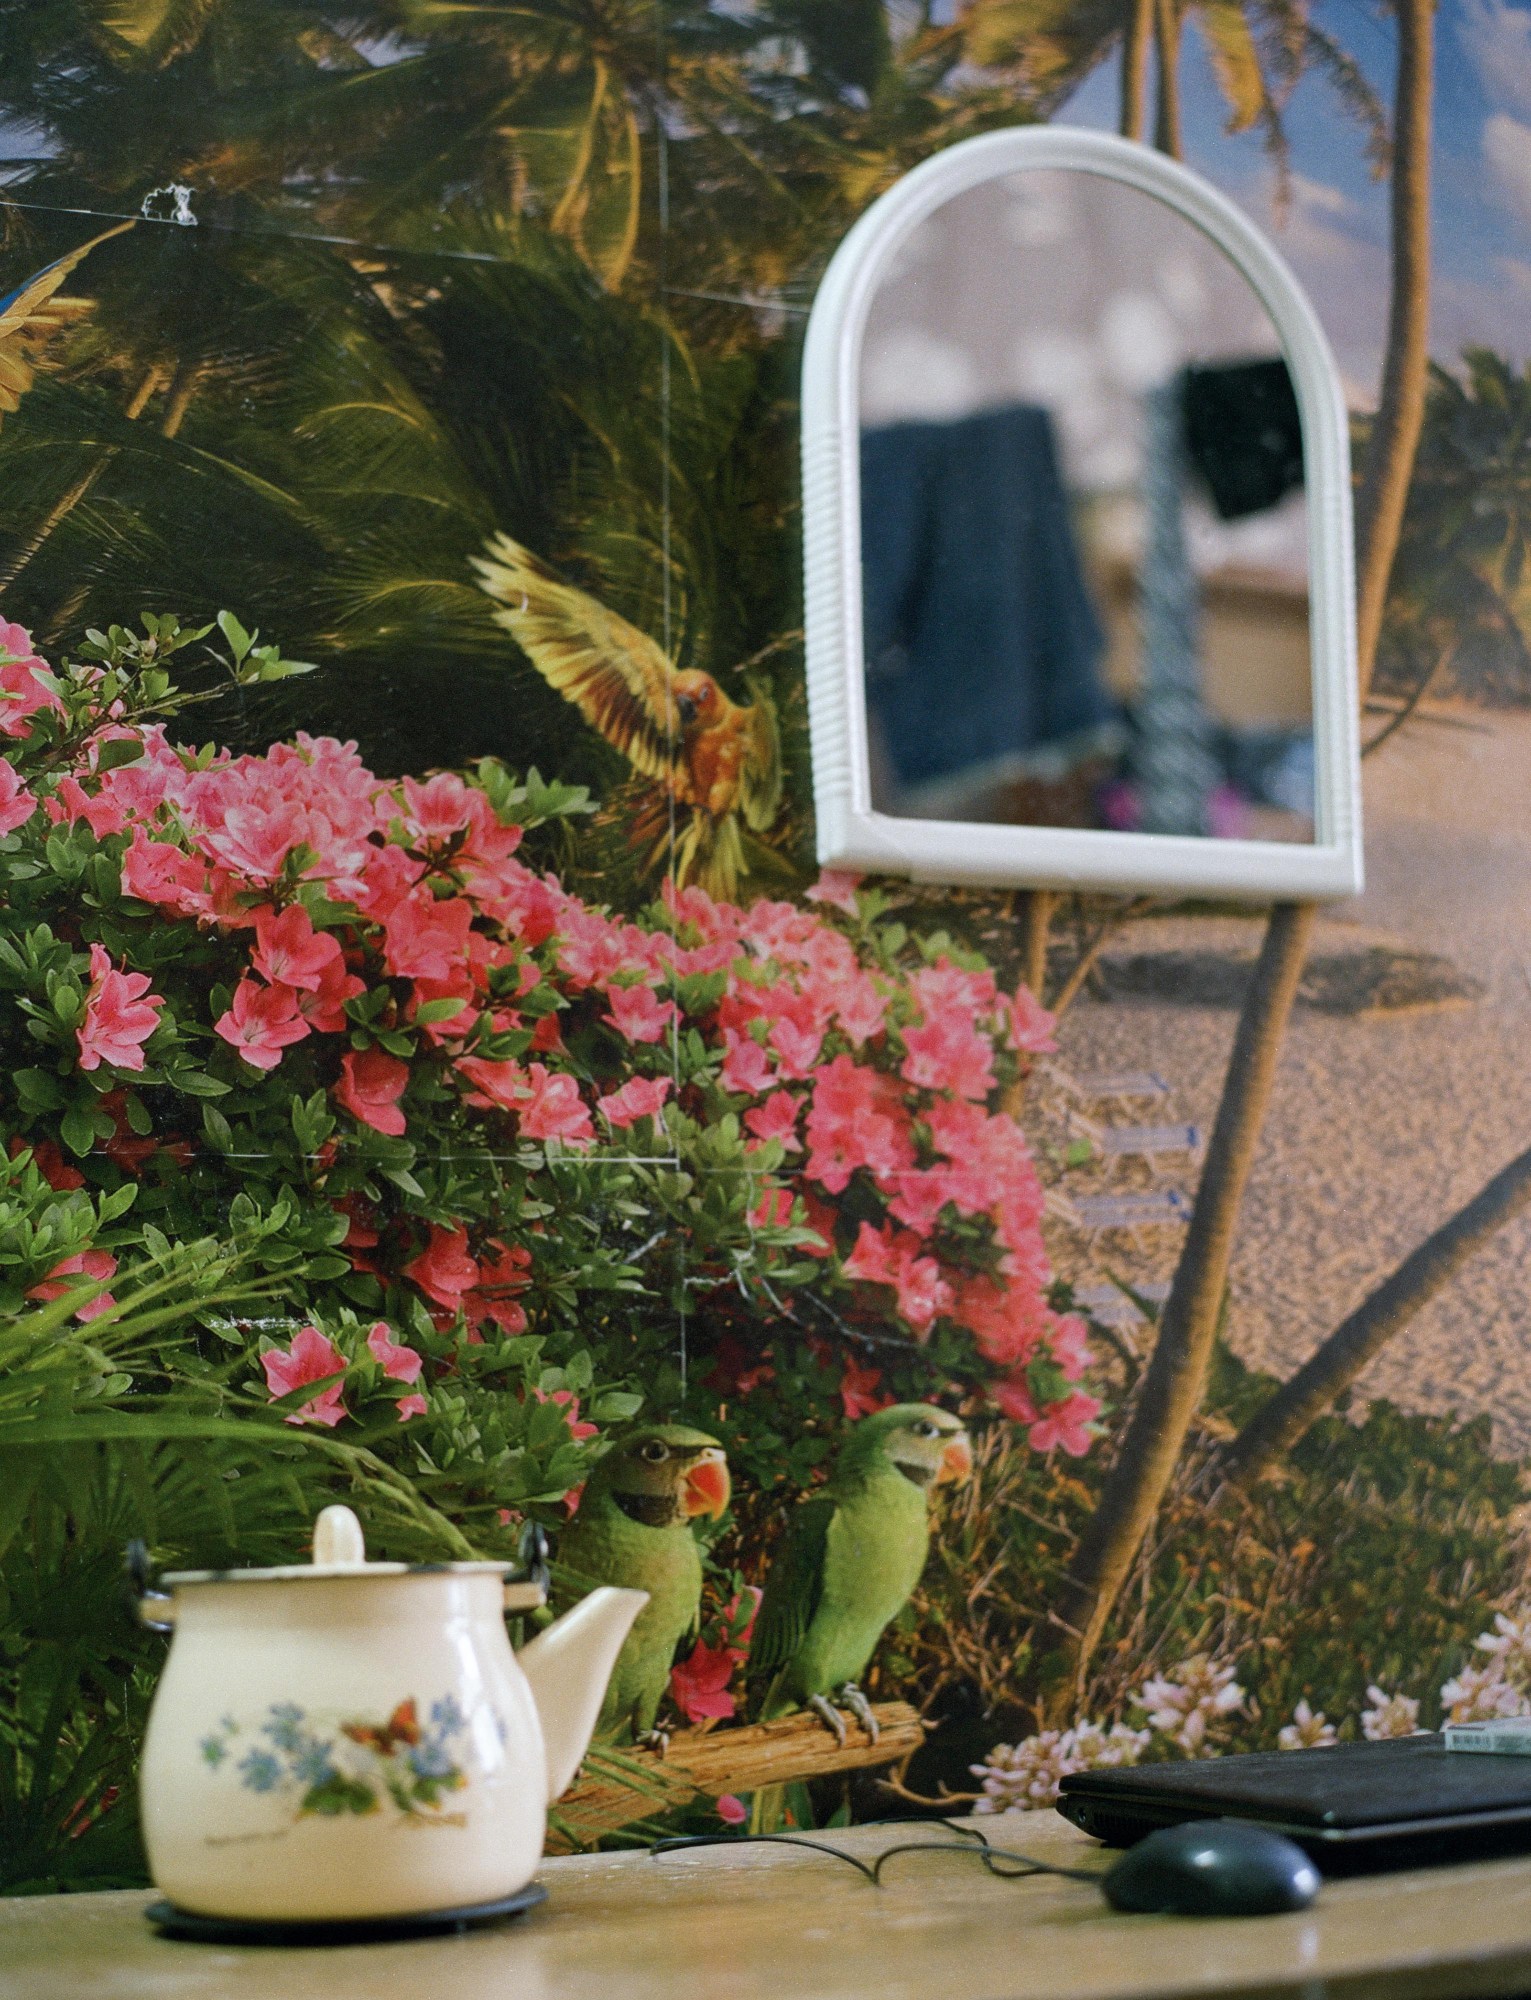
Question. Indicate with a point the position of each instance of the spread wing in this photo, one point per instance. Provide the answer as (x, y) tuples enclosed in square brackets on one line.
[(33, 311), (615, 675), (793, 1587), (760, 773)]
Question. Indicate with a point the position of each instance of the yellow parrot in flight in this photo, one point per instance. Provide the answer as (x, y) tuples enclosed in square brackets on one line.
[(33, 313), (712, 761)]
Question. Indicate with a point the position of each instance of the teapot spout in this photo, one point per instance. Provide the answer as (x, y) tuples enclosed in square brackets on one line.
[(569, 1666)]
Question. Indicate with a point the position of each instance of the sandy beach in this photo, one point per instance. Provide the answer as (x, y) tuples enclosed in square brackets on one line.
[(1384, 1121)]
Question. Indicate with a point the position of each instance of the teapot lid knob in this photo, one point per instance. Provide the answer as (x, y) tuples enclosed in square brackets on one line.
[(338, 1538)]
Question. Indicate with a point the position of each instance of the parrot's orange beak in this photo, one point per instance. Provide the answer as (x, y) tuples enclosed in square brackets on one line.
[(956, 1461), (707, 1488)]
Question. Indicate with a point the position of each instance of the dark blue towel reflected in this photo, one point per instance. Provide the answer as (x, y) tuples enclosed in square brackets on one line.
[(981, 640)]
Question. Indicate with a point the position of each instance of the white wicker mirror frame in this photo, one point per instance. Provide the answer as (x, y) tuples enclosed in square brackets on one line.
[(850, 834)]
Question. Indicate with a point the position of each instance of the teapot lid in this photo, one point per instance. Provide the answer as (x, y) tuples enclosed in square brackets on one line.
[(340, 1550)]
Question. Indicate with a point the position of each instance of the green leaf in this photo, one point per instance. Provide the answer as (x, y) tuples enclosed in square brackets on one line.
[(240, 641), (197, 1083), (78, 1129)]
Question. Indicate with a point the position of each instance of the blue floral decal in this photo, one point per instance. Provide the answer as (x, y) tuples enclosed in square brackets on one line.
[(356, 1766)]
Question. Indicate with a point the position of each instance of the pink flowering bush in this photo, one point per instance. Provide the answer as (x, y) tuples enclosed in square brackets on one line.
[(526, 1147)]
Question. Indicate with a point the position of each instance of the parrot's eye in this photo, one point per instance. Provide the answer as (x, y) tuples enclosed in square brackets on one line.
[(655, 1452), (926, 1429)]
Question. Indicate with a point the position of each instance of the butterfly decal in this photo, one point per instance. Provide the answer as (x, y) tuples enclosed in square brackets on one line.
[(402, 1727)]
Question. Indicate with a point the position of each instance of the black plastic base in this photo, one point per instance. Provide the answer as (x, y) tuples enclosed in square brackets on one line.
[(176, 1923)]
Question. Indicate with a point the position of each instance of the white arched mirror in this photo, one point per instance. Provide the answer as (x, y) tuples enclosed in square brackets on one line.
[(1078, 536)]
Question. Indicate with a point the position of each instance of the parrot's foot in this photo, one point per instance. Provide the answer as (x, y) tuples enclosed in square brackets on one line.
[(851, 1697), (829, 1715), (657, 1740)]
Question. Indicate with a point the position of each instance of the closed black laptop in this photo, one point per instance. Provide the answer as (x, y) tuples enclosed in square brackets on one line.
[(1355, 1807)]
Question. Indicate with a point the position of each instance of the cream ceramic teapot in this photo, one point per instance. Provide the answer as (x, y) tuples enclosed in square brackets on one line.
[(351, 1739)]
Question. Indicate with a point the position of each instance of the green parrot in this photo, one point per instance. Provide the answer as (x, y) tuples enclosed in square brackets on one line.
[(849, 1561), (633, 1529)]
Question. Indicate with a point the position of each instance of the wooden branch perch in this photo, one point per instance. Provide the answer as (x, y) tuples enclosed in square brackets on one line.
[(637, 1784)]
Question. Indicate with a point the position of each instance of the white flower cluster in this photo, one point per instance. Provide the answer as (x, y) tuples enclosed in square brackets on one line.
[(1389, 1715), (1306, 1730), (1478, 1694), (1501, 1685), (1024, 1777), (1192, 1705)]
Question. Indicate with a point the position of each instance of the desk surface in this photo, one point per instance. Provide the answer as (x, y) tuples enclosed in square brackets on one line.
[(779, 1924)]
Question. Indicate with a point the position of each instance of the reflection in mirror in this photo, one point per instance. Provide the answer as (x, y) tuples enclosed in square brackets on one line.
[(1084, 532)]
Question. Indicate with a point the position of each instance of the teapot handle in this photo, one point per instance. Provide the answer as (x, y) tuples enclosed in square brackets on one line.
[(529, 1590), (154, 1609)]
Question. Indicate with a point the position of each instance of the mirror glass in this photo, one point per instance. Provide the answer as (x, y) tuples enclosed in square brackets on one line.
[(1083, 524)]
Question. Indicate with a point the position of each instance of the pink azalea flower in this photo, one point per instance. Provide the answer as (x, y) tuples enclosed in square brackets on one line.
[(500, 1084), (1013, 1397), (49, 1162), (436, 810), (502, 1273), (732, 1811), (881, 1258), (260, 1022), (324, 1007), (797, 1043), (1068, 1423), (776, 1119), (639, 1097), (699, 1683), (444, 1270), (155, 872), (399, 1364), (773, 1210), (837, 887), (921, 1197), (861, 1390), (26, 684), (635, 1012), (948, 1053), (426, 939), (1068, 1342), (746, 1067), (289, 951), (1031, 1026), (310, 1358), (389, 876), (552, 1109), (101, 813), (17, 804), (371, 1084), (120, 1016), (855, 1121), (95, 1265), (860, 1007), (1006, 1322)]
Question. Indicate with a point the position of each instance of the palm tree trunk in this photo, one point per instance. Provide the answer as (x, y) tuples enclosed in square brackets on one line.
[(1278, 1424), (1035, 913), (1389, 460), (1175, 1377), (1135, 39), (1167, 41)]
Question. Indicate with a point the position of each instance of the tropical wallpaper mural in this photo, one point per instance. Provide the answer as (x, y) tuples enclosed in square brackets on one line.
[(436, 1073)]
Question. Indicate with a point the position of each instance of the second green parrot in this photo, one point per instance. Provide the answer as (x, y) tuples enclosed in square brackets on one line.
[(849, 1561), (634, 1529)]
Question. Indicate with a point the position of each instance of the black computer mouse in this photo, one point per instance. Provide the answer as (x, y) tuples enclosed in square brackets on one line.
[(1212, 1868)]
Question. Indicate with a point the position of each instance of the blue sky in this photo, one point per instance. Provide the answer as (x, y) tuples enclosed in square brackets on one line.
[(1336, 232)]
